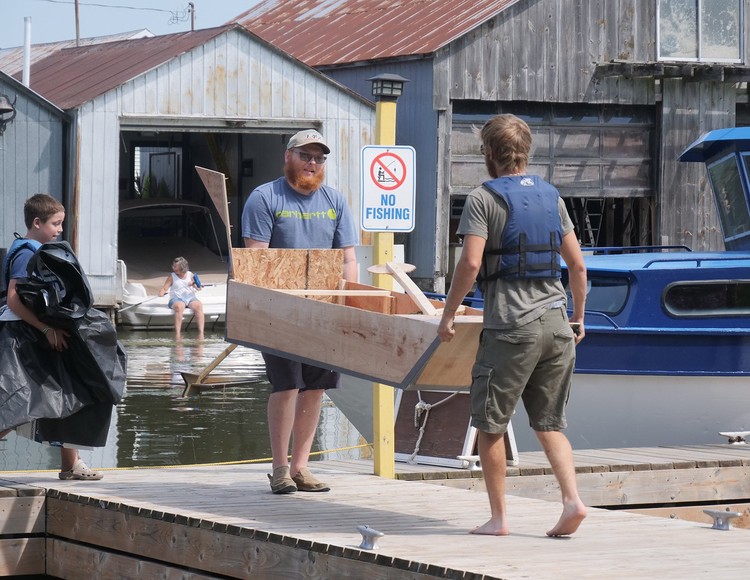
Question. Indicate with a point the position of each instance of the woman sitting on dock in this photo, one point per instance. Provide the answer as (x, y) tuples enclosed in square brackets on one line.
[(182, 286)]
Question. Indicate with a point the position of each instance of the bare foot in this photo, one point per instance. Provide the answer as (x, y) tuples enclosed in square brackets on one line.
[(571, 517), (492, 528)]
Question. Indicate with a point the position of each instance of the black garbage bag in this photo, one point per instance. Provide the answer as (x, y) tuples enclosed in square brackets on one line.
[(56, 288), (73, 391), (86, 428)]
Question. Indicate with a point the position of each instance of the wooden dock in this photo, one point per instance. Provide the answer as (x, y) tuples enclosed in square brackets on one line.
[(222, 521)]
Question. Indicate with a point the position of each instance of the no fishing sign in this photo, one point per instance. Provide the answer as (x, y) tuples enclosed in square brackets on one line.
[(388, 188)]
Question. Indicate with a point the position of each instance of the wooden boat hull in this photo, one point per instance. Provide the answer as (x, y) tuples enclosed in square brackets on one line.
[(360, 330)]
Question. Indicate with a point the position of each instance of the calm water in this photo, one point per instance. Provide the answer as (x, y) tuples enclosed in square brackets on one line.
[(153, 425)]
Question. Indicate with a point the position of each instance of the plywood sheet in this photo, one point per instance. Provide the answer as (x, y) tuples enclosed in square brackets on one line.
[(288, 269), (270, 268), (215, 184)]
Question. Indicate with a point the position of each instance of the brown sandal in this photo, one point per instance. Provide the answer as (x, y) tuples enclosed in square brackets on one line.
[(306, 481)]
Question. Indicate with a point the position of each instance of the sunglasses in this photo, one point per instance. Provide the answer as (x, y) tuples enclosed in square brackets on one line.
[(307, 157)]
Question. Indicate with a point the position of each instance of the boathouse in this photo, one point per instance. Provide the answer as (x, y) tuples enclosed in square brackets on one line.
[(32, 153), (614, 91), (220, 98)]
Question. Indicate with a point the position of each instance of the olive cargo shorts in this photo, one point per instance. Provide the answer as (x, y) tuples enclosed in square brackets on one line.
[(533, 362)]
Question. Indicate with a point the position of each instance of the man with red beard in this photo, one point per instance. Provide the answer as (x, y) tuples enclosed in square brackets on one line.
[(298, 211)]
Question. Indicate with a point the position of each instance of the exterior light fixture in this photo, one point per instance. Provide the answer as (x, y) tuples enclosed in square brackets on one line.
[(7, 111), (387, 86)]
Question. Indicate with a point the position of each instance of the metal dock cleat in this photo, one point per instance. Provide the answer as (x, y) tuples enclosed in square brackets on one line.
[(470, 461), (735, 437), (369, 537), (722, 518)]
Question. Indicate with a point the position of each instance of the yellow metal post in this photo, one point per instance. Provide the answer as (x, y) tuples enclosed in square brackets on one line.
[(383, 400)]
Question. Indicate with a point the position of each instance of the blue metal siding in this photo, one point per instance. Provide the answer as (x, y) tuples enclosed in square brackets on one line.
[(31, 160), (416, 125)]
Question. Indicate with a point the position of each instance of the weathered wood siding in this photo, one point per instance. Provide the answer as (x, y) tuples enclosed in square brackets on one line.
[(687, 210), (232, 77), (546, 50)]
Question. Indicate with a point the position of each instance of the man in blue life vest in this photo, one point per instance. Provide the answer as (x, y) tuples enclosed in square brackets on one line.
[(515, 228), (298, 211)]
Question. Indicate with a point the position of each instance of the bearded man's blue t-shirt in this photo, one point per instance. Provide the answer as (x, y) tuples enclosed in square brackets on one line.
[(277, 214)]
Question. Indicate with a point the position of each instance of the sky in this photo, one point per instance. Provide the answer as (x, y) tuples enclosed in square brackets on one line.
[(53, 20)]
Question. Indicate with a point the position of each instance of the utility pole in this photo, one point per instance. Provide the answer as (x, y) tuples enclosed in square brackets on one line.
[(78, 27)]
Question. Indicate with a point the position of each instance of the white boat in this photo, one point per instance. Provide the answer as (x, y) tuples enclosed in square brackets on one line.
[(143, 311), (153, 233)]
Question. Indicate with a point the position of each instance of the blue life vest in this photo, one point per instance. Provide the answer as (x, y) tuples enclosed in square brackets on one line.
[(18, 244), (530, 246)]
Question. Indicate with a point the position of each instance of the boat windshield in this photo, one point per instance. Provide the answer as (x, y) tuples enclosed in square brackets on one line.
[(730, 200), (710, 298), (605, 294)]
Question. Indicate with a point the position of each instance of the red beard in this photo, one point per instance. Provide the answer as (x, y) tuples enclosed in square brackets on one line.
[(302, 182)]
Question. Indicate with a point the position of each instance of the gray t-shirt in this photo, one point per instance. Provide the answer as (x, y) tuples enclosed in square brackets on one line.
[(277, 214), (508, 302)]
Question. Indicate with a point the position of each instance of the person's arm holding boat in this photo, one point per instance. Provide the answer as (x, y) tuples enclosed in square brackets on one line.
[(570, 250), (464, 276)]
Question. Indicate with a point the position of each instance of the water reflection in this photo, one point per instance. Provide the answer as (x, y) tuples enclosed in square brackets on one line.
[(154, 425)]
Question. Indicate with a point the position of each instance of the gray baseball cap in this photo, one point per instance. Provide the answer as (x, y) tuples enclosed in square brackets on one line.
[(306, 137)]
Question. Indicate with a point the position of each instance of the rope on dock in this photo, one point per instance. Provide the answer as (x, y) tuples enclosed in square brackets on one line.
[(218, 463), (422, 408)]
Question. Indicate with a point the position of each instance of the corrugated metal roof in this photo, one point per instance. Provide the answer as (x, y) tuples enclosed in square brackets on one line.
[(73, 76), (18, 87), (329, 32), (11, 59)]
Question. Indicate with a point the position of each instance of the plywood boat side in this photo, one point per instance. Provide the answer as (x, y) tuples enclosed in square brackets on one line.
[(378, 346), (367, 344), (449, 368), (294, 303)]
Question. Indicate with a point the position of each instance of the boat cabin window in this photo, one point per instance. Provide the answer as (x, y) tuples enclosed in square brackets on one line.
[(604, 294), (730, 198), (711, 298)]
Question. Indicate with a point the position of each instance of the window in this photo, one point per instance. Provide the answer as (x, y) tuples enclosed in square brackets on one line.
[(606, 294), (730, 198), (700, 30), (712, 298), (585, 150)]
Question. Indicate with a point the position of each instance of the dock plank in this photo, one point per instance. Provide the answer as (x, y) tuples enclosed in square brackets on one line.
[(425, 525)]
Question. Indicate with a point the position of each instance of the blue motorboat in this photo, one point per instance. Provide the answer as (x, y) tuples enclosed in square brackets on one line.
[(666, 359)]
